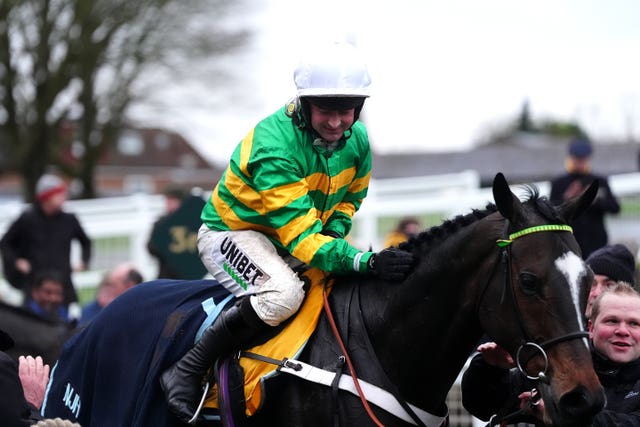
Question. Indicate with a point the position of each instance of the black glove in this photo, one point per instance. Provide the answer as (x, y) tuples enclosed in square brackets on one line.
[(391, 264)]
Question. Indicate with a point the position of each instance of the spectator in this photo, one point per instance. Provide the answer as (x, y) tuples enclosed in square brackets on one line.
[(47, 297), (34, 377), (121, 278), (286, 199), (18, 406), (589, 228), (173, 237), (40, 240), (610, 264), (23, 387), (407, 227), (56, 422), (614, 330)]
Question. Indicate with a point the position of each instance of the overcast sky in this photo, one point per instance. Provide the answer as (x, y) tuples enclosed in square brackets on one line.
[(444, 73)]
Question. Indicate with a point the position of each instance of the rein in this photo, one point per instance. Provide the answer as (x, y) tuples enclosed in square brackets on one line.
[(394, 393), (352, 370)]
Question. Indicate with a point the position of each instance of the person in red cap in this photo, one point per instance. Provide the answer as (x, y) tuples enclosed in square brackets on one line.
[(40, 240)]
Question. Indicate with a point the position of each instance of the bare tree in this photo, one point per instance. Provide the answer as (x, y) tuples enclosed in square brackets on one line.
[(79, 62)]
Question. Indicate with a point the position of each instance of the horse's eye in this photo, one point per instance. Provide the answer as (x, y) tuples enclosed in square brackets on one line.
[(529, 283)]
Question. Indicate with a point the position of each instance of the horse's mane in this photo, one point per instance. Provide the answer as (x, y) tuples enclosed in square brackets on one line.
[(539, 204)]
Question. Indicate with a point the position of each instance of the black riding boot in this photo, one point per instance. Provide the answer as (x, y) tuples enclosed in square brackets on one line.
[(230, 332)]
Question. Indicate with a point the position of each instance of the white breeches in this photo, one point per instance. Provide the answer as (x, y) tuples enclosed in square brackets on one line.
[(247, 263)]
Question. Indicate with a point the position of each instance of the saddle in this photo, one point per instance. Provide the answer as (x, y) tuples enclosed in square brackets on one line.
[(238, 388)]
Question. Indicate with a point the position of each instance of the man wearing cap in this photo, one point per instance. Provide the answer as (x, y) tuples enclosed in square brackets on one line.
[(589, 228), (610, 264), (40, 240)]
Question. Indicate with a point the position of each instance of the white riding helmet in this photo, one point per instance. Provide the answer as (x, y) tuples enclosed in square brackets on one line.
[(336, 70)]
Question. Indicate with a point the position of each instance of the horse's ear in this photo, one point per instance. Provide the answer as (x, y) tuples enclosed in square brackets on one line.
[(571, 209), (507, 203)]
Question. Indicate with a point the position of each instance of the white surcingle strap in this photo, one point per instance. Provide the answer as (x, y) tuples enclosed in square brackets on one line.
[(373, 393)]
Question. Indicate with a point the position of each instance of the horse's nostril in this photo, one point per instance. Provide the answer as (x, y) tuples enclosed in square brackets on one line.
[(581, 403)]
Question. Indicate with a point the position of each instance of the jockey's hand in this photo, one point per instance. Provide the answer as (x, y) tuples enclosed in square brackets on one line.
[(391, 264)]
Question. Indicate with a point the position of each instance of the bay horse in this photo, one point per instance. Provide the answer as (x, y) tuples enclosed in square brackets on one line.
[(511, 272)]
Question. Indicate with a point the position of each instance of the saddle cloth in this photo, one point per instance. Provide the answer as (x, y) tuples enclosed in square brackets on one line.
[(287, 344)]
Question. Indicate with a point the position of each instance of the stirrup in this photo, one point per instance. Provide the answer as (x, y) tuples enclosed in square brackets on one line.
[(205, 390)]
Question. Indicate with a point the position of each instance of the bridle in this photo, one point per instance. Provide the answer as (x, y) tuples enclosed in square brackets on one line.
[(527, 340)]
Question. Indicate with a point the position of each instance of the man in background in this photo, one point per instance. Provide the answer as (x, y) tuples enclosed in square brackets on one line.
[(173, 237), (47, 297), (610, 264), (407, 227), (40, 240), (589, 228), (120, 279)]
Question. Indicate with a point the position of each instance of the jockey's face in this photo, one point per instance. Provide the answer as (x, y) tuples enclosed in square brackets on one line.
[(331, 124)]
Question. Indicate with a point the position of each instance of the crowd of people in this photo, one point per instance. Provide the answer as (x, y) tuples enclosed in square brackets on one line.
[(315, 140), (36, 258)]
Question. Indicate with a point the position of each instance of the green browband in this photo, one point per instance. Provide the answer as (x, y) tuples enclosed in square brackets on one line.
[(548, 227)]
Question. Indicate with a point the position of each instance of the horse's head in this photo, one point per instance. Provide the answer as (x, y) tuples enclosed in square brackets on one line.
[(533, 304)]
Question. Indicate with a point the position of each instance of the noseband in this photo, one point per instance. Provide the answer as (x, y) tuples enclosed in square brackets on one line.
[(528, 341)]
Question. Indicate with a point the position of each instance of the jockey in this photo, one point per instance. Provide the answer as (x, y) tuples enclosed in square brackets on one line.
[(286, 200)]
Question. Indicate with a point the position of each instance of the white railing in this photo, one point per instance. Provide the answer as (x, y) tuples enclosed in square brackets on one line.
[(120, 226), (454, 198)]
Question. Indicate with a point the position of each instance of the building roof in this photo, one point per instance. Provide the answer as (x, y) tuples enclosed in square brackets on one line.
[(520, 164)]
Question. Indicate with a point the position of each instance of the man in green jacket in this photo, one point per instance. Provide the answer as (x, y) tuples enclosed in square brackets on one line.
[(287, 198)]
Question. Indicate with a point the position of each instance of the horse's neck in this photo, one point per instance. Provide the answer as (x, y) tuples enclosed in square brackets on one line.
[(424, 329)]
